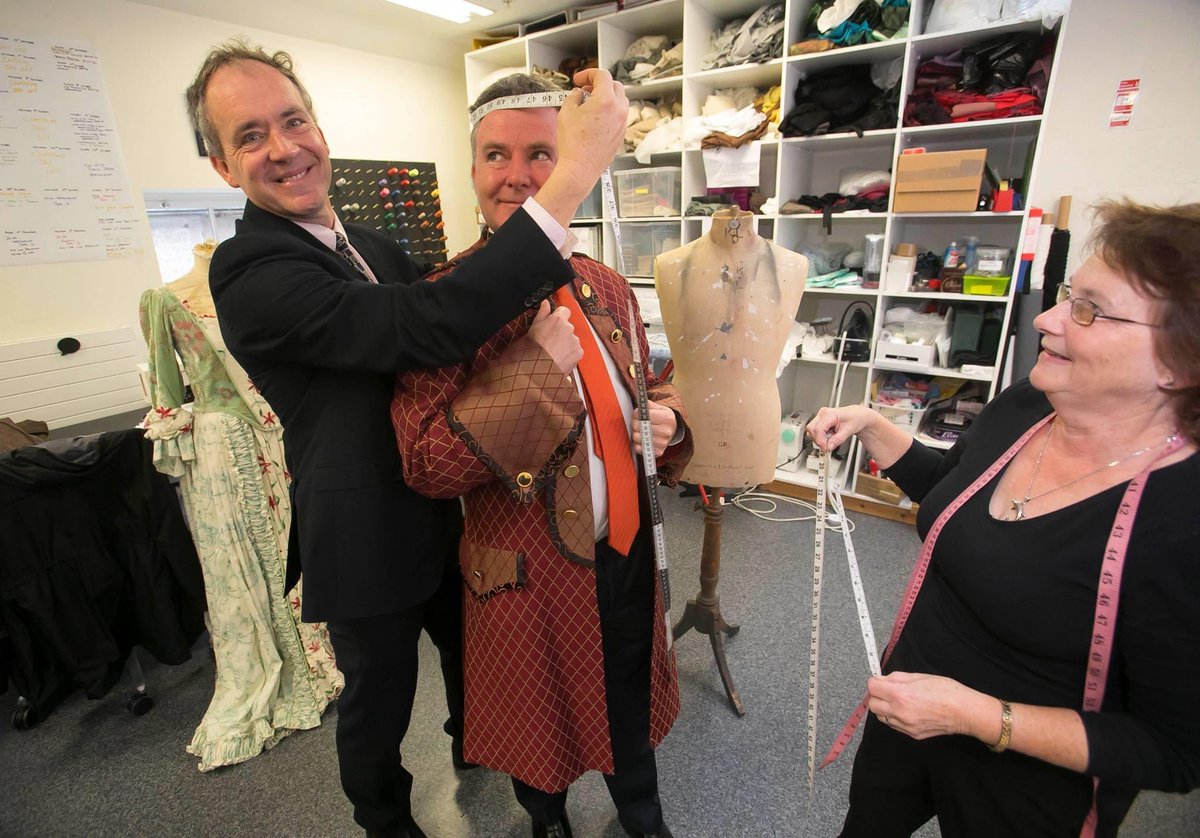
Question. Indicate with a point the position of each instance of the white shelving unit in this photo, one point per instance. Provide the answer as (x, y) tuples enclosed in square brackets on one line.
[(791, 167)]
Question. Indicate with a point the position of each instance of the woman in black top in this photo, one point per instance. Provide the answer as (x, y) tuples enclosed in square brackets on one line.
[(982, 716)]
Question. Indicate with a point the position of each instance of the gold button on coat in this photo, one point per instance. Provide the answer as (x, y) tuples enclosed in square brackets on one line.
[(570, 514), (586, 291), (524, 480), (632, 371), (571, 471), (616, 336)]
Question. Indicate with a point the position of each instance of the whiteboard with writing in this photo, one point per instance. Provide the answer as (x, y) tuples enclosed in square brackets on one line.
[(64, 193)]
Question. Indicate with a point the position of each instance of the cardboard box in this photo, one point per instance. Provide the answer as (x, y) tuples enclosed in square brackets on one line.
[(939, 181), (879, 488)]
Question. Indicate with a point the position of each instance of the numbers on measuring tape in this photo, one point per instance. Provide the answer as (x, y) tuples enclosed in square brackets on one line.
[(829, 496), (651, 472), (548, 99)]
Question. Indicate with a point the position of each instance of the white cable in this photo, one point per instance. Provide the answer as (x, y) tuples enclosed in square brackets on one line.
[(772, 503)]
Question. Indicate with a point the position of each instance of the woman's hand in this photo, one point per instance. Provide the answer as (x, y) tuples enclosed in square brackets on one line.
[(834, 425), (922, 706)]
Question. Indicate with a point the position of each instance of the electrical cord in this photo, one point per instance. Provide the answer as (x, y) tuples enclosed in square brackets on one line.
[(768, 504)]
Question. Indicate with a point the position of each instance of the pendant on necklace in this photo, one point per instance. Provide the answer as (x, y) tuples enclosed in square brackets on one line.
[(1018, 508)]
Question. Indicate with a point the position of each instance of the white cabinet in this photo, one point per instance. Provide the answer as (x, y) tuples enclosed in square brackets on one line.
[(792, 167)]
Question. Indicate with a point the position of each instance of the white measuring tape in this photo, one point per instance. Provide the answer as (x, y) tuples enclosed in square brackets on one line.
[(830, 496), (651, 474), (548, 99)]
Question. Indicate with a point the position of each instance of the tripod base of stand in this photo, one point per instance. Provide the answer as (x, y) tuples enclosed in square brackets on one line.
[(705, 618)]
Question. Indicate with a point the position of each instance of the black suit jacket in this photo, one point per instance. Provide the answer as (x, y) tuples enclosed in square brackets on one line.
[(324, 346)]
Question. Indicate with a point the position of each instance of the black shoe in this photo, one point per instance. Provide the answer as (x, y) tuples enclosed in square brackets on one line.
[(456, 757), (662, 832), (558, 829)]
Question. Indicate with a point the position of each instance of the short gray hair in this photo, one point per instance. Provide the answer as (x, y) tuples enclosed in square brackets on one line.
[(232, 52), (517, 84)]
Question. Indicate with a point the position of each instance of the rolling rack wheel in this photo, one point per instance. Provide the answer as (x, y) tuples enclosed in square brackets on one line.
[(25, 716), (139, 703)]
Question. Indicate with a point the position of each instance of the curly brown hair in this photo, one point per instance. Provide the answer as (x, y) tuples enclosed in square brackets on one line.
[(231, 52), (1158, 250)]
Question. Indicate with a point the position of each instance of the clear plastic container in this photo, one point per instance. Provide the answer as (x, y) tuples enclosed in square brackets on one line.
[(644, 241), (643, 193), (872, 259), (992, 261)]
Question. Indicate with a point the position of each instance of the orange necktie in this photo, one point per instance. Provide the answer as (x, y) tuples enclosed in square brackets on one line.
[(609, 429)]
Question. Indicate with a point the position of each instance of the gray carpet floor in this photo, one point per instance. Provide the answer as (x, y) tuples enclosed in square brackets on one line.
[(93, 769)]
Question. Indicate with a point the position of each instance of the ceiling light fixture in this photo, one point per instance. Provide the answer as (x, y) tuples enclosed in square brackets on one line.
[(457, 11)]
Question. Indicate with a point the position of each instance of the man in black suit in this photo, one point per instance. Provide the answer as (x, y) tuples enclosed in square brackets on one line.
[(322, 316)]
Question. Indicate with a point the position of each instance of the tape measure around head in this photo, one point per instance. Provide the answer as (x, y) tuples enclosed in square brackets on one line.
[(547, 99), (650, 469), (554, 99)]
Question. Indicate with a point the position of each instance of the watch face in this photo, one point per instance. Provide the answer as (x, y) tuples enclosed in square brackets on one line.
[(399, 198)]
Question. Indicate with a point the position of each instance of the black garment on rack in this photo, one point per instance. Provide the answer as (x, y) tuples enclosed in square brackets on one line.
[(95, 558)]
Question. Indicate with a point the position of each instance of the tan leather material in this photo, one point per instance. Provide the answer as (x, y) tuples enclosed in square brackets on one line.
[(489, 570)]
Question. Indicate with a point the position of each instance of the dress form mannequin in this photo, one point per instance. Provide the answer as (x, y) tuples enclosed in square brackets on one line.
[(728, 300), (275, 674), (192, 287)]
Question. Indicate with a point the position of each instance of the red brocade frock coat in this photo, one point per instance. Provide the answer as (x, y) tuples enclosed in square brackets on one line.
[(505, 431)]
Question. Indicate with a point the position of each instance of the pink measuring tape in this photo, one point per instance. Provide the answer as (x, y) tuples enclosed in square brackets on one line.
[(1107, 595)]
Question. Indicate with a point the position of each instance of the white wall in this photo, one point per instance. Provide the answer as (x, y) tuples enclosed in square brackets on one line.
[(1156, 158), (370, 107)]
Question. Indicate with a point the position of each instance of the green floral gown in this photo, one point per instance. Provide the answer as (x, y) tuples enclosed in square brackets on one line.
[(275, 673)]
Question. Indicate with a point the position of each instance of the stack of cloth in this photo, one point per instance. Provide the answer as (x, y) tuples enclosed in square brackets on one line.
[(1004, 77), (831, 265), (845, 23), (649, 58), (563, 77), (855, 98), (645, 116), (748, 40)]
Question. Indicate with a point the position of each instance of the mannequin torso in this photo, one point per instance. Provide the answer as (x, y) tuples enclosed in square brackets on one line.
[(728, 300), (192, 288)]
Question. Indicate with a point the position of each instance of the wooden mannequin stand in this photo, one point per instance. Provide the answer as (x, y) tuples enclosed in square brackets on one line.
[(704, 612)]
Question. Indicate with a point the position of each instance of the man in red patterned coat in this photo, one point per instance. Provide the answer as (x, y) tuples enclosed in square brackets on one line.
[(568, 664)]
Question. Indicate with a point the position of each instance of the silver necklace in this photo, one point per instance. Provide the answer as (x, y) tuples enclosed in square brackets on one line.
[(1018, 506)]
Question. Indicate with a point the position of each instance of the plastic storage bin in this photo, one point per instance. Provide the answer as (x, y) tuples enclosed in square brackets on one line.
[(912, 354), (903, 418), (985, 286), (648, 192), (990, 261), (590, 207), (644, 241)]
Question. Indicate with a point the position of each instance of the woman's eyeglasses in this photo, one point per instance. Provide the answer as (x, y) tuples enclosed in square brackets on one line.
[(1085, 312)]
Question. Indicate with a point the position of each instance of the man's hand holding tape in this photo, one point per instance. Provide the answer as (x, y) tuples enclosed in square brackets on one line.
[(591, 129)]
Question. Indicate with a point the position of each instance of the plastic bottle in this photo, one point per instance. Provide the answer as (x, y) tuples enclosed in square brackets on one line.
[(953, 256), (969, 258)]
